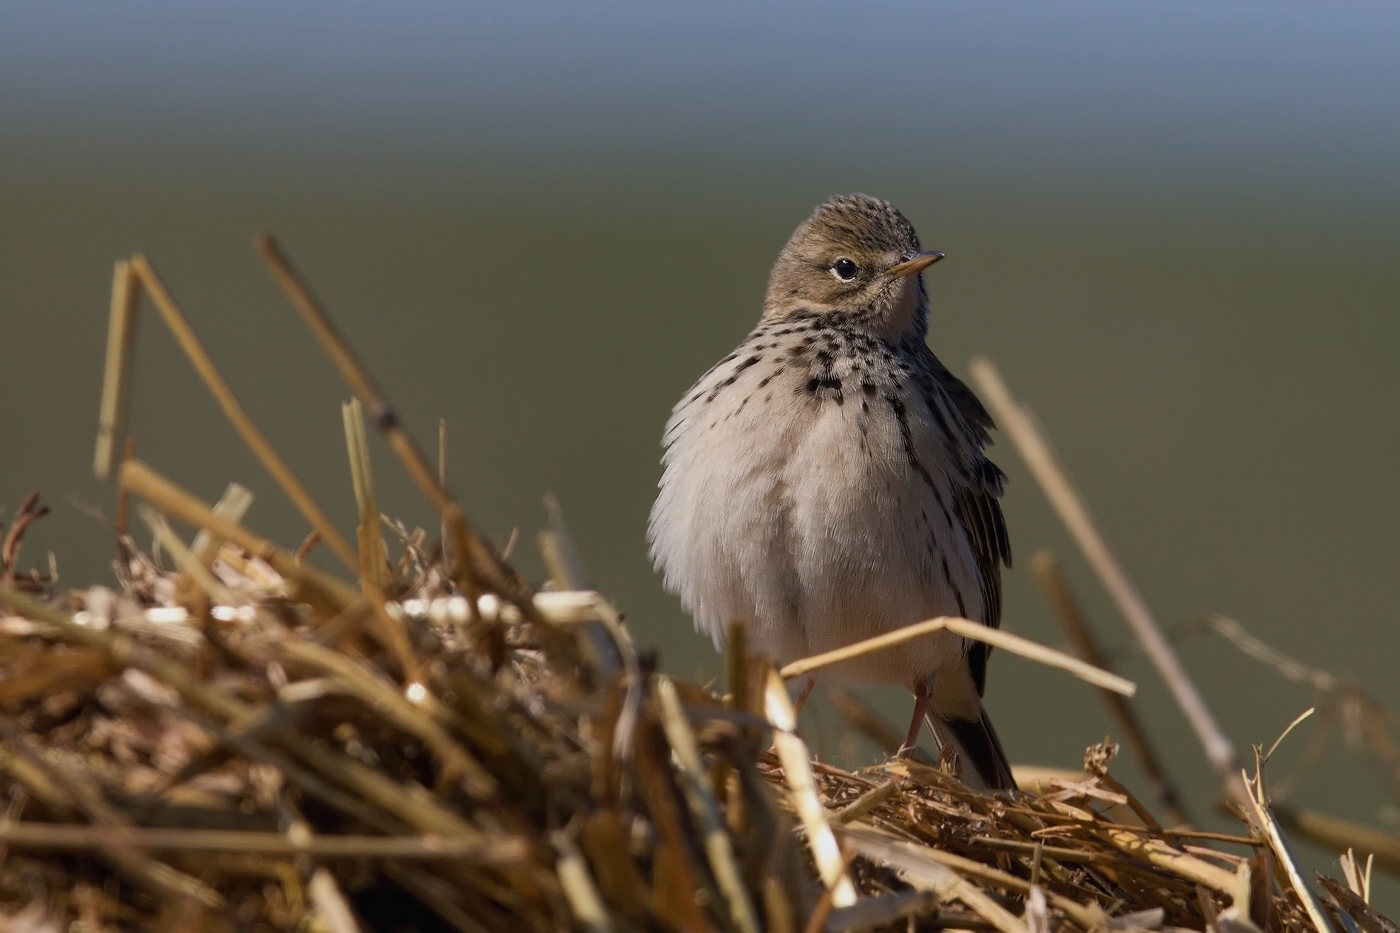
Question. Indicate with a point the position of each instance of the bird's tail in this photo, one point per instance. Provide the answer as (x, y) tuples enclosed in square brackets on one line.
[(981, 761)]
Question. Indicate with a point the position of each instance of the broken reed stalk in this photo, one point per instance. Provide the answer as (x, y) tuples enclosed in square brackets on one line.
[(472, 555), (1018, 425), (562, 559), (476, 562), (1066, 609), (382, 412), (232, 505), (185, 557), (257, 442), (116, 377), (1164, 856), (374, 555), (332, 910), (966, 867), (582, 892), (444, 532)]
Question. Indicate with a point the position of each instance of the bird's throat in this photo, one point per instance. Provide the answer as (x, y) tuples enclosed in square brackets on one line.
[(902, 311)]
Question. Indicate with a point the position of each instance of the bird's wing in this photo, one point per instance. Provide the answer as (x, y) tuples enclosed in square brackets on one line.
[(967, 402), (979, 506)]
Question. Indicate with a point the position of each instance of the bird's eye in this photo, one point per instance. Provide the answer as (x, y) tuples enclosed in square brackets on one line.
[(844, 269)]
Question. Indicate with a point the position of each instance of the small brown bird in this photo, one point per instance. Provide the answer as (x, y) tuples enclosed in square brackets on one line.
[(826, 481)]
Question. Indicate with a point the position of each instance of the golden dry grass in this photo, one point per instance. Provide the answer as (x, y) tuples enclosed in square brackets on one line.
[(232, 740)]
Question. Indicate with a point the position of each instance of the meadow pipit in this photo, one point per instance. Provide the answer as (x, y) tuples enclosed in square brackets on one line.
[(826, 481)]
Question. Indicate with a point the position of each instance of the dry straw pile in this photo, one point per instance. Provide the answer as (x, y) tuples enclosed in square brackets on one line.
[(234, 740)]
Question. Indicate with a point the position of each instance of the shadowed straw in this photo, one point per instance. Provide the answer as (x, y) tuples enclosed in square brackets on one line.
[(51, 836)]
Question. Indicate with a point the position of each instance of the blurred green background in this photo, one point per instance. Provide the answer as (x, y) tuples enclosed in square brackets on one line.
[(1174, 226)]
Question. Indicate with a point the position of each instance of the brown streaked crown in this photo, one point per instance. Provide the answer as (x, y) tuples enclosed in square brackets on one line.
[(839, 259)]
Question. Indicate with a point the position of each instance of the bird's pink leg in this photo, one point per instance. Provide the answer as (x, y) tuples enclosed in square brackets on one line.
[(802, 698), (922, 694), (797, 707)]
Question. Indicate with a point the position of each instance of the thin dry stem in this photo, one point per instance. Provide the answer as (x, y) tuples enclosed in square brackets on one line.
[(444, 533), (976, 631), (185, 558), (116, 376), (374, 556), (1076, 628), (357, 377), (1020, 427), (233, 410), (232, 505), (474, 558)]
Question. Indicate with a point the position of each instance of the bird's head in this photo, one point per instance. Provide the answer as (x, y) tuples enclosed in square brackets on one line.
[(856, 258)]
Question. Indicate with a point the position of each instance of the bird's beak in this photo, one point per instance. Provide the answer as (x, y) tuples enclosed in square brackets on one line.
[(914, 264)]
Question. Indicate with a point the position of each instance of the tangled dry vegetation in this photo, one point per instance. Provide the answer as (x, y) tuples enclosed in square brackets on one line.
[(232, 739)]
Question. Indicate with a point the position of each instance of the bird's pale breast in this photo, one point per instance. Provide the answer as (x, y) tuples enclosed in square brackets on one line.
[(809, 492)]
